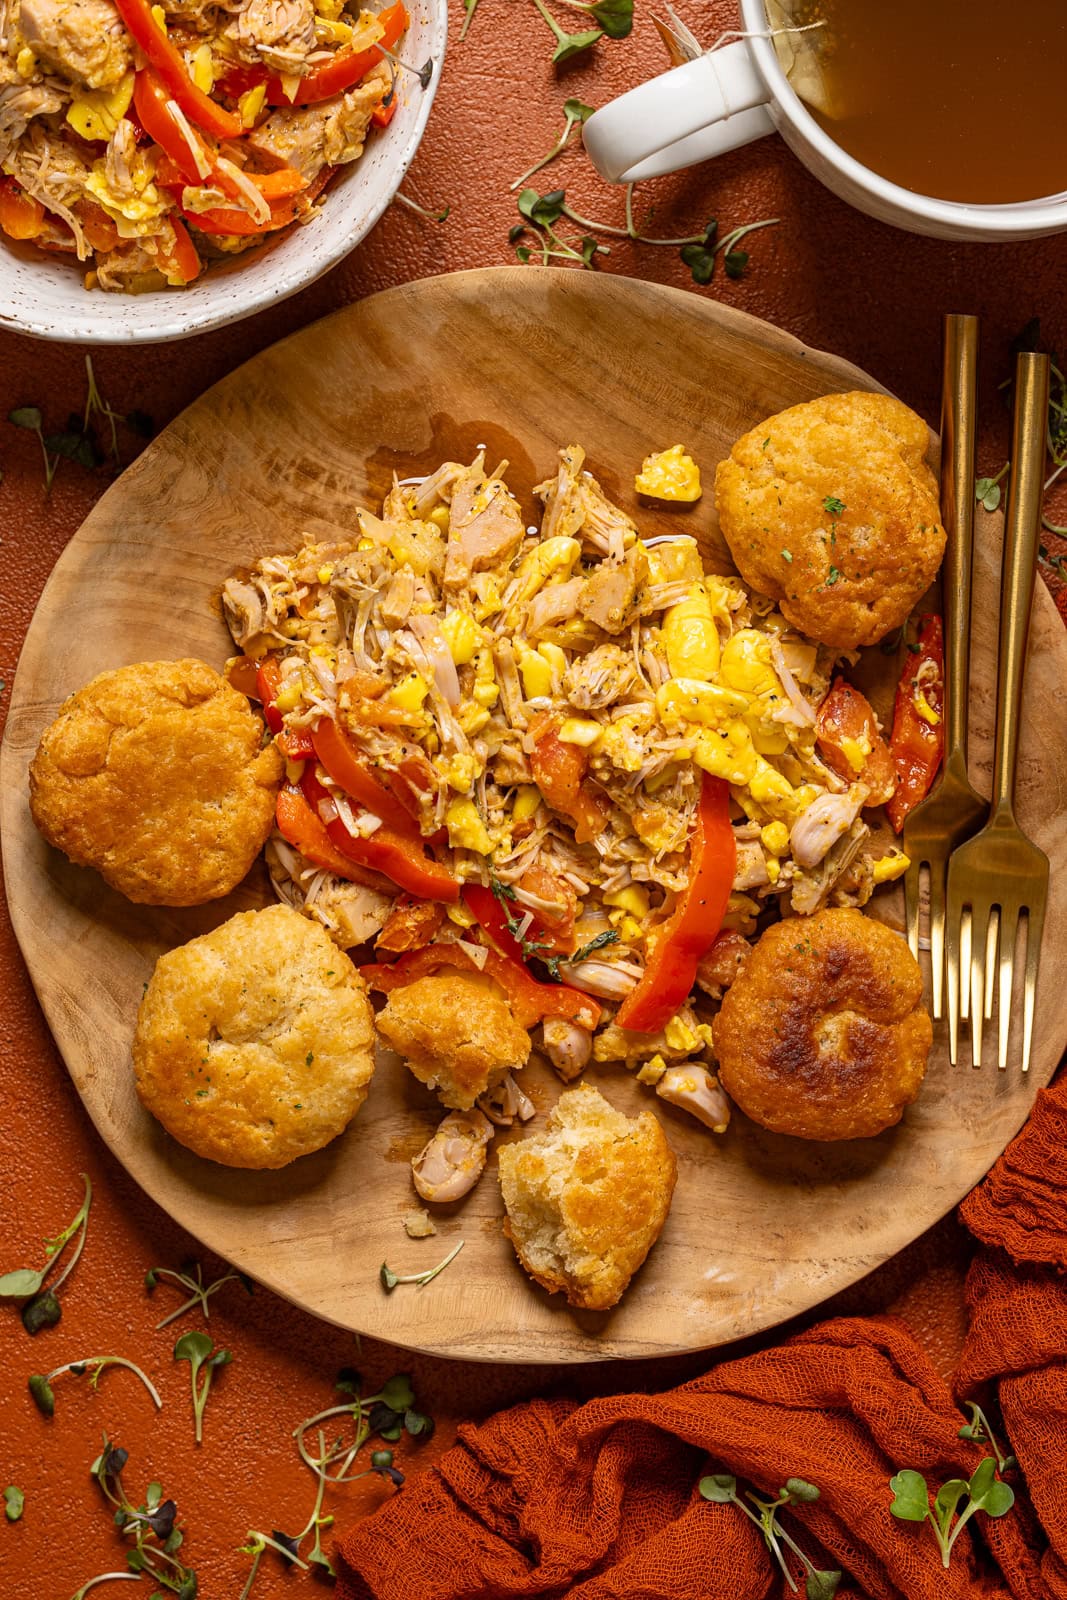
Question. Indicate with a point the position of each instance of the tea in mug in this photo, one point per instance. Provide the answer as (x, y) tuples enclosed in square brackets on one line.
[(957, 99)]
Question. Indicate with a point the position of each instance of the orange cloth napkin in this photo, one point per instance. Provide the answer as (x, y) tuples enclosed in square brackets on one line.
[(599, 1501)]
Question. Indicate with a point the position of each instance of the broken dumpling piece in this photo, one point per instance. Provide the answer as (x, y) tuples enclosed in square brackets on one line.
[(831, 510), (456, 1033), (587, 1199), (255, 1042), (823, 1033), (669, 480)]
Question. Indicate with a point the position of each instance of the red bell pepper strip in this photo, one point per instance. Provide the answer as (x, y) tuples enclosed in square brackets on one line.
[(268, 682), (846, 725), (531, 1001), (674, 949), (352, 772), (400, 857), (916, 744), (304, 829), (383, 115), (343, 71), (559, 772), (283, 210), (169, 63), (493, 920), (151, 102), (295, 744)]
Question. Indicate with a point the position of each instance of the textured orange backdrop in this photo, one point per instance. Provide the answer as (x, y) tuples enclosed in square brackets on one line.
[(835, 279)]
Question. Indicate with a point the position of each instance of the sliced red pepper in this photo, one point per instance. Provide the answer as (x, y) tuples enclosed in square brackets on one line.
[(295, 744), (917, 745), (342, 72), (304, 829), (400, 857), (531, 1001), (283, 210), (268, 682), (559, 772), (383, 115), (674, 949), (351, 770), (183, 264), (151, 102), (169, 63), (493, 920), (844, 727)]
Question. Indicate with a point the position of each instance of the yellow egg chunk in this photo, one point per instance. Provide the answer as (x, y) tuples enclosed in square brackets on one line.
[(671, 478)]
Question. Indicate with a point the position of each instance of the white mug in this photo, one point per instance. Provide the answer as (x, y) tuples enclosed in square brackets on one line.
[(733, 95)]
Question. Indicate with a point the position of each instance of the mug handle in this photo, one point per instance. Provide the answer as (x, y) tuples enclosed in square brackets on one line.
[(704, 108)]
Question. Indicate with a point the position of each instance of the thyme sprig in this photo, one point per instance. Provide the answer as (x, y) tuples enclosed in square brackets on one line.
[(721, 1487), (40, 1306), (190, 1278), (40, 1384)]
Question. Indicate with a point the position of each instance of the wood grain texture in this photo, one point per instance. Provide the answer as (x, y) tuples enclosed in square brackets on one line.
[(521, 361)]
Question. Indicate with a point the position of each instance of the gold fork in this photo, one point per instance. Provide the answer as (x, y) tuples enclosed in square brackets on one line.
[(954, 811), (998, 876)]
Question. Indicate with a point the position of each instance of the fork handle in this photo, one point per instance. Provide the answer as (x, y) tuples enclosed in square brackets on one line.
[(1022, 529), (959, 408)]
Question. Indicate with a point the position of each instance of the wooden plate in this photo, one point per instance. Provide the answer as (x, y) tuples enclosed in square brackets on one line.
[(520, 361)]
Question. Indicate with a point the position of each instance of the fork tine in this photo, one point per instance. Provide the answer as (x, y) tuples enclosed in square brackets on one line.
[(965, 964), (990, 960), (912, 894), (1007, 976), (1035, 922), (937, 940), (952, 984), (979, 935)]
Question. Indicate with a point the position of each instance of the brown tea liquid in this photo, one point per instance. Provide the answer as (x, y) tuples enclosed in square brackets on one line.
[(959, 99)]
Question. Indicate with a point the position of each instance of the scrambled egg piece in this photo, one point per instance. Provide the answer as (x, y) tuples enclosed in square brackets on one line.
[(672, 478)]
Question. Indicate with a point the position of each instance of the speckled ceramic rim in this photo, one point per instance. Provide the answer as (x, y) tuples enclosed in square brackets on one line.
[(46, 299)]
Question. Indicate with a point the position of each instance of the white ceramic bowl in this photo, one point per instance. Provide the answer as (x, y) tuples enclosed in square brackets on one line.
[(45, 295)]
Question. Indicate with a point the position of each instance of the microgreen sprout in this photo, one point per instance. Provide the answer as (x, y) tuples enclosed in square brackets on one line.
[(204, 1361), (189, 1277), (440, 215), (151, 1525), (390, 1414), (721, 1488), (40, 1385), (980, 1431), (469, 7), (105, 1577), (984, 1492), (14, 1500), (40, 1307), (1029, 338), (568, 45), (78, 442), (987, 490), (390, 1279), (542, 212), (575, 113)]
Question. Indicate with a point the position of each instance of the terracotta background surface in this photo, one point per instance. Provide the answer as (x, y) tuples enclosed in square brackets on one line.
[(828, 275)]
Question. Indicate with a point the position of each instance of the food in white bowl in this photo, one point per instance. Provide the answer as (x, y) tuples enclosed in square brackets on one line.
[(147, 159)]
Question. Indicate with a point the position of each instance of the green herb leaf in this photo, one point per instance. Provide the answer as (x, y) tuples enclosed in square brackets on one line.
[(822, 1585), (948, 1498), (576, 110), (573, 44), (43, 1398), (833, 505), (700, 261), (987, 493), (194, 1347), (14, 1500), (26, 417), (542, 209), (43, 1311), (734, 263), (911, 1497), (800, 1490), (609, 936), (20, 1284), (719, 1487), (832, 577), (388, 1278), (616, 17), (398, 1394), (987, 1492)]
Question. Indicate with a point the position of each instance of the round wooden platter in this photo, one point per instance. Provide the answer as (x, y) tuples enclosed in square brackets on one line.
[(520, 361)]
